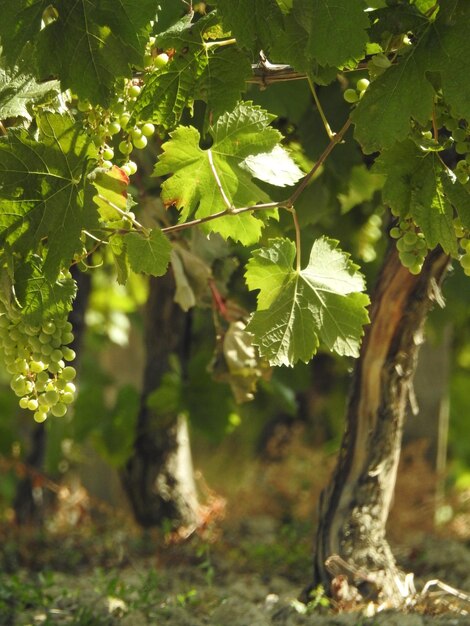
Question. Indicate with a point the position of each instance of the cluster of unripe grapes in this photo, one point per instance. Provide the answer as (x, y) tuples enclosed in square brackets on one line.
[(411, 245), (112, 131), (459, 138), (36, 357), (354, 95)]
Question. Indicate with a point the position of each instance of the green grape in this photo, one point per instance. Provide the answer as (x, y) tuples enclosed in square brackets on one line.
[(32, 404), (49, 328), (395, 233), (136, 133), (125, 147), (68, 373), (68, 354), (108, 153), (362, 84), (56, 355), (132, 167), (140, 142), (40, 416), (24, 402), (124, 119), (462, 147), (410, 238), (148, 129), (351, 96), (161, 60), (114, 128), (67, 398), (52, 397), (37, 366), (133, 91), (459, 134), (59, 409)]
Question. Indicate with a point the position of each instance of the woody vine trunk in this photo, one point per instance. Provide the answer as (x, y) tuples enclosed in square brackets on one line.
[(158, 477), (354, 507)]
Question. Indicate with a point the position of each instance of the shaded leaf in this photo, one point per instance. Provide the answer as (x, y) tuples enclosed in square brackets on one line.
[(148, 254)]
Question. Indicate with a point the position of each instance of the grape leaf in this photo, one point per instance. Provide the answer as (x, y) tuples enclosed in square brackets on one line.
[(298, 309), (415, 186), (18, 90), (42, 190), (193, 186), (20, 23), (148, 254), (383, 115), (450, 54), (348, 21), (88, 46), (257, 31), (459, 196), (193, 72), (40, 298)]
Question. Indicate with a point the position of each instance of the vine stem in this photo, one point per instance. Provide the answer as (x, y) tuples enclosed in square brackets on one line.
[(329, 132), (298, 249), (222, 42), (337, 138)]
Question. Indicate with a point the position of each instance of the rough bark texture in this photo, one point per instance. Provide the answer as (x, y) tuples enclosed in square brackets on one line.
[(355, 506), (158, 477), (28, 501)]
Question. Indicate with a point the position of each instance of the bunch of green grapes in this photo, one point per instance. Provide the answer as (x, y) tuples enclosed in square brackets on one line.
[(354, 95), (111, 128), (411, 245), (35, 357), (459, 138)]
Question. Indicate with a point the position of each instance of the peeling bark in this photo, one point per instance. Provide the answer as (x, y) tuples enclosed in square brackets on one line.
[(158, 477), (354, 507)]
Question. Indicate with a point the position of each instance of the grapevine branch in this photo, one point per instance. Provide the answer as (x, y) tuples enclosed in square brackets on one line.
[(286, 204)]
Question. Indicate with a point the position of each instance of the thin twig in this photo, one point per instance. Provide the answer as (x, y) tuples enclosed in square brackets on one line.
[(337, 138), (223, 42), (298, 248), (329, 132), (435, 130)]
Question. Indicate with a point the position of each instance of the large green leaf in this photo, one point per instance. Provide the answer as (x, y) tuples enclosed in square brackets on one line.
[(193, 186), (348, 21), (297, 310), (88, 46), (42, 190)]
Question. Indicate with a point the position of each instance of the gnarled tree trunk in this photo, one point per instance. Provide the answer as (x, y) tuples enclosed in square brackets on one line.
[(355, 506), (158, 477)]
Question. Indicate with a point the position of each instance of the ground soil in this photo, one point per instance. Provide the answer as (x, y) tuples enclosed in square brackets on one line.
[(246, 565)]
